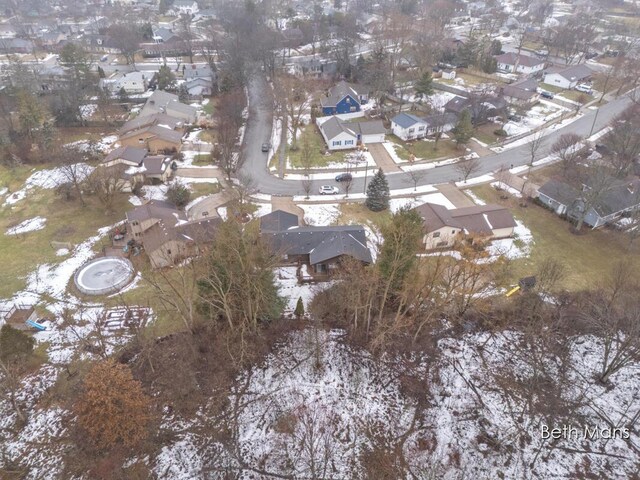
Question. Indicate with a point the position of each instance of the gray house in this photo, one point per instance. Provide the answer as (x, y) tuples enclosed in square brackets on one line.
[(620, 198), (320, 248)]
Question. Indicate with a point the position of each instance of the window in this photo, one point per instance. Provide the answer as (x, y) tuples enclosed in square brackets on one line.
[(348, 142), (453, 232), (337, 143), (436, 234), (411, 130), (421, 128), (168, 251), (353, 109)]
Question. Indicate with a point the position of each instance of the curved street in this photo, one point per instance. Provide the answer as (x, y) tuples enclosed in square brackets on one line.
[(259, 129)]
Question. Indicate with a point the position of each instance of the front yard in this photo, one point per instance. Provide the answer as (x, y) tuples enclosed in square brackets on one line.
[(425, 149), (317, 147), (588, 258)]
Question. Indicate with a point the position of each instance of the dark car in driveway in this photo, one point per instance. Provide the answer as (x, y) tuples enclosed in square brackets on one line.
[(344, 177), (266, 147)]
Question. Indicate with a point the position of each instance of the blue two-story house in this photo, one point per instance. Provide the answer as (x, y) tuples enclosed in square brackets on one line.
[(343, 98)]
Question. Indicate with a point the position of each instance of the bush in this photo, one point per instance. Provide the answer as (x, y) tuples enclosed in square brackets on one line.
[(178, 194), (501, 132)]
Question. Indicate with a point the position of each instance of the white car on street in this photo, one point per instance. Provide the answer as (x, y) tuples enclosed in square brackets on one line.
[(328, 190)]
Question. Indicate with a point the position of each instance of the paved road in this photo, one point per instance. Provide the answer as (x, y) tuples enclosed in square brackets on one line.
[(259, 130)]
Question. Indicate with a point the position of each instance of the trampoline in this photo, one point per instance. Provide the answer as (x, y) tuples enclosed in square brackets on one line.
[(104, 275)]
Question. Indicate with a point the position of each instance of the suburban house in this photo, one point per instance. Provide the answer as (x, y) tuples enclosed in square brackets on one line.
[(568, 77), (339, 135), (165, 36), (166, 234), (159, 119), (321, 249), (522, 93), (481, 107), (442, 227), (132, 82), (343, 98), (292, 37), (134, 167), (615, 201), (155, 138), (199, 87), (168, 103), (448, 74), (408, 127), (184, 7), (511, 62)]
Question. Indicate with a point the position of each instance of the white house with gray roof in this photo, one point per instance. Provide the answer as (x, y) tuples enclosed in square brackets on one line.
[(341, 135), (568, 77), (408, 127)]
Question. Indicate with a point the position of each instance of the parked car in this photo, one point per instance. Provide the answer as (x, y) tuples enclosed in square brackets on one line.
[(515, 118), (542, 53), (104, 58), (584, 88), (328, 190), (545, 94), (344, 177), (266, 147)]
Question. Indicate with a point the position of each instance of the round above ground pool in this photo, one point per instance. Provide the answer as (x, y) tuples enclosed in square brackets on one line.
[(104, 275)]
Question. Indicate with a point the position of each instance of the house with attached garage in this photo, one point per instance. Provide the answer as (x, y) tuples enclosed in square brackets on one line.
[(617, 199), (341, 135), (132, 166), (160, 119), (511, 62), (408, 127), (344, 98), (184, 7), (443, 227), (568, 77), (318, 250), (523, 93), (132, 82)]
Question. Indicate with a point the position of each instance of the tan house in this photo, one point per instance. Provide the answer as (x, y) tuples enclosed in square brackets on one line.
[(442, 227), (166, 234), (132, 166), (155, 138)]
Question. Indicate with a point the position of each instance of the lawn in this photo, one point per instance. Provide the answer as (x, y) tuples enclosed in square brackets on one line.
[(210, 106), (551, 88), (588, 258), (425, 150), (358, 213), (311, 135), (577, 96), (485, 134), (66, 222), (203, 159), (200, 189)]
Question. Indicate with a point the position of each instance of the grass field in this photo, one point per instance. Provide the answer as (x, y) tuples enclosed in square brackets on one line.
[(588, 258), (425, 150), (485, 134), (66, 222)]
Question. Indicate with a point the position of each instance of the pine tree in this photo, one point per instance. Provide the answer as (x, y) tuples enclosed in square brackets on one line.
[(463, 131), (378, 193), (101, 73), (424, 86), (299, 311), (14, 344), (113, 409)]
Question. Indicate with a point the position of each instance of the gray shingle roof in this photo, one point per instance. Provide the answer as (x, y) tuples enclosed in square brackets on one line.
[(477, 219), (575, 73), (278, 221), (338, 92), (129, 154), (406, 120), (511, 58)]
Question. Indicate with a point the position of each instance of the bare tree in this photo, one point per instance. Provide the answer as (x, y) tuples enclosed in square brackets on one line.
[(534, 146), (295, 97), (106, 183), (467, 166), (185, 31), (567, 149), (596, 182), (415, 176), (229, 120), (74, 172)]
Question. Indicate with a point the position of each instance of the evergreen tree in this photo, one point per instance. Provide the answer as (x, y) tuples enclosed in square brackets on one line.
[(489, 64), (123, 96), (378, 193), (178, 194), (183, 93), (166, 78), (299, 311), (424, 86), (463, 131), (101, 73)]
